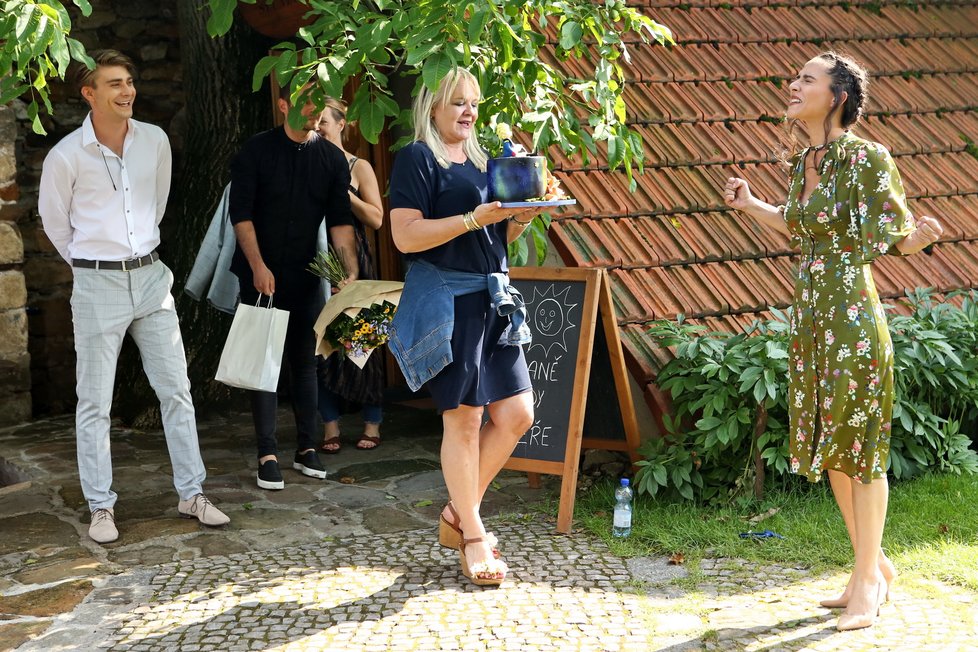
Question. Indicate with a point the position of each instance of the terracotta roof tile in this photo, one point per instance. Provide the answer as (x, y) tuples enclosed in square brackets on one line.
[(698, 63), (594, 193), (685, 143), (671, 245), (700, 239), (961, 258), (649, 293), (698, 295), (749, 142), (707, 109)]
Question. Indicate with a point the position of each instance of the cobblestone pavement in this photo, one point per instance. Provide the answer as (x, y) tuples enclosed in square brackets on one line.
[(355, 566), (403, 592)]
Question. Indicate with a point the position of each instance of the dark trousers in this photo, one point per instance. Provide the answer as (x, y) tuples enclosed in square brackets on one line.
[(300, 363)]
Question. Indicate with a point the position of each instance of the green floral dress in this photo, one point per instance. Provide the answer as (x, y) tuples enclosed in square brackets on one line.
[(840, 390)]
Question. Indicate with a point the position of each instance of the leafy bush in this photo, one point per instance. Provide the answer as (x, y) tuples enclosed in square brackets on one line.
[(936, 379), (729, 428)]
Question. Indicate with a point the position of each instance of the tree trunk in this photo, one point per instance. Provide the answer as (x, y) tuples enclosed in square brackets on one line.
[(221, 112)]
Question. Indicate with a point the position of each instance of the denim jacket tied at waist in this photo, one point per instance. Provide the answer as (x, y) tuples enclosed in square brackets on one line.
[(421, 333)]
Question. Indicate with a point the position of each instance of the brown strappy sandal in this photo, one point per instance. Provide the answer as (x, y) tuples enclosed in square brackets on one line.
[(484, 573), (330, 441), (367, 439), (450, 534)]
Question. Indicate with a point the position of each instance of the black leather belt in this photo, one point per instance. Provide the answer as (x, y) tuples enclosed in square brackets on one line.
[(117, 265)]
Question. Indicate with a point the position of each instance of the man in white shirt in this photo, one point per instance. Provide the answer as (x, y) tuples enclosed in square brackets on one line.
[(102, 195)]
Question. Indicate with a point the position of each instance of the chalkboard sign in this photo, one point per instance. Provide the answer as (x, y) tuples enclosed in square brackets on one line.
[(554, 310), (563, 308)]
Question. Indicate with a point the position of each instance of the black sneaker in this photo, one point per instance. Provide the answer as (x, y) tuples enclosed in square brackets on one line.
[(269, 477), (308, 464)]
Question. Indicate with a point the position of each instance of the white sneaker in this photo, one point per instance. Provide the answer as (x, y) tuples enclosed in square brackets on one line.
[(103, 529), (203, 510)]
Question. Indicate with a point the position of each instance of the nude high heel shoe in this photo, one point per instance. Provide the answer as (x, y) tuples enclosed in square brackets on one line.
[(889, 575), (848, 622)]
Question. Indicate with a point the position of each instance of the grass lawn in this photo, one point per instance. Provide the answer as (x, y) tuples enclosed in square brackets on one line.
[(931, 533)]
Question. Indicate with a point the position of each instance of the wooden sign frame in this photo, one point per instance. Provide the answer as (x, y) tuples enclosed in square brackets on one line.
[(597, 297), (623, 386)]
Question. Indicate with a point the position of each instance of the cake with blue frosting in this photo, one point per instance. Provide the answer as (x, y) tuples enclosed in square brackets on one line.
[(517, 178)]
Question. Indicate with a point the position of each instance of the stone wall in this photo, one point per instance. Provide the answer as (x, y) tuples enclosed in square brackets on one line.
[(146, 30), (15, 361)]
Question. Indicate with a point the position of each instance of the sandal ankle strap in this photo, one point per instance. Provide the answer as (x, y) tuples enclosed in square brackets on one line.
[(456, 519)]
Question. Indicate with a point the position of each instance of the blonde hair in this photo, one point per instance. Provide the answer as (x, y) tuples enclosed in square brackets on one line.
[(424, 124), (337, 109)]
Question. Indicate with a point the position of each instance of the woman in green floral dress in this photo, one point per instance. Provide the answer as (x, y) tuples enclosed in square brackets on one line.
[(845, 207)]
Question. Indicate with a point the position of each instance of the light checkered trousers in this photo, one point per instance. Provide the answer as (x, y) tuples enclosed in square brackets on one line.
[(105, 305)]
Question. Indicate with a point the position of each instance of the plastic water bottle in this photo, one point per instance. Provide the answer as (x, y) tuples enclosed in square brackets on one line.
[(623, 510)]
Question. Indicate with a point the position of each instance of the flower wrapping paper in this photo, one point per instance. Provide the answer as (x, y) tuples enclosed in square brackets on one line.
[(350, 300)]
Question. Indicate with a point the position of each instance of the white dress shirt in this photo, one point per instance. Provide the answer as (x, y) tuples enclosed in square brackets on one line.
[(97, 206)]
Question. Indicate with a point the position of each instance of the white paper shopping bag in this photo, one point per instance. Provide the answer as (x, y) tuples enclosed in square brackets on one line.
[(252, 356)]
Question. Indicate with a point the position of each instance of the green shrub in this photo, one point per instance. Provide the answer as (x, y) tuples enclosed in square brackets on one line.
[(728, 435), (936, 380)]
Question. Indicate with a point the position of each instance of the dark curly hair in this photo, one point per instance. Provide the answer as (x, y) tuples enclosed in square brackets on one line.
[(850, 78)]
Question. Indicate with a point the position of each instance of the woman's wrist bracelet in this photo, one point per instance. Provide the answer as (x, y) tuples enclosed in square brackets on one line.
[(469, 222), (512, 218)]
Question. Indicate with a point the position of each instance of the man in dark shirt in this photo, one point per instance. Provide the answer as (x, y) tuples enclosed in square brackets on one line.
[(284, 183)]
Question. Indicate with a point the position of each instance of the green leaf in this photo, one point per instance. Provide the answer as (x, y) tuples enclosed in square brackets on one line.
[(35, 119), (61, 55), (477, 25), (660, 474), (504, 41), (518, 252), (262, 69), (620, 112), (435, 68), (538, 233), (285, 66), (13, 92), (371, 116), (26, 22), (570, 34), (85, 6), (221, 18), (616, 152), (709, 423), (77, 52)]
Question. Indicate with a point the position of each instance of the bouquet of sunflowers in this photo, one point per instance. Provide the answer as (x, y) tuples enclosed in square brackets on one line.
[(355, 336), (355, 320)]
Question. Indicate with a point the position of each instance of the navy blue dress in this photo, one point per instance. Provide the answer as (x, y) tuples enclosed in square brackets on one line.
[(482, 371)]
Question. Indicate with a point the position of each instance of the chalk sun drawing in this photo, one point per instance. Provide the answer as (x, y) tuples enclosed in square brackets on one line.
[(550, 318)]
